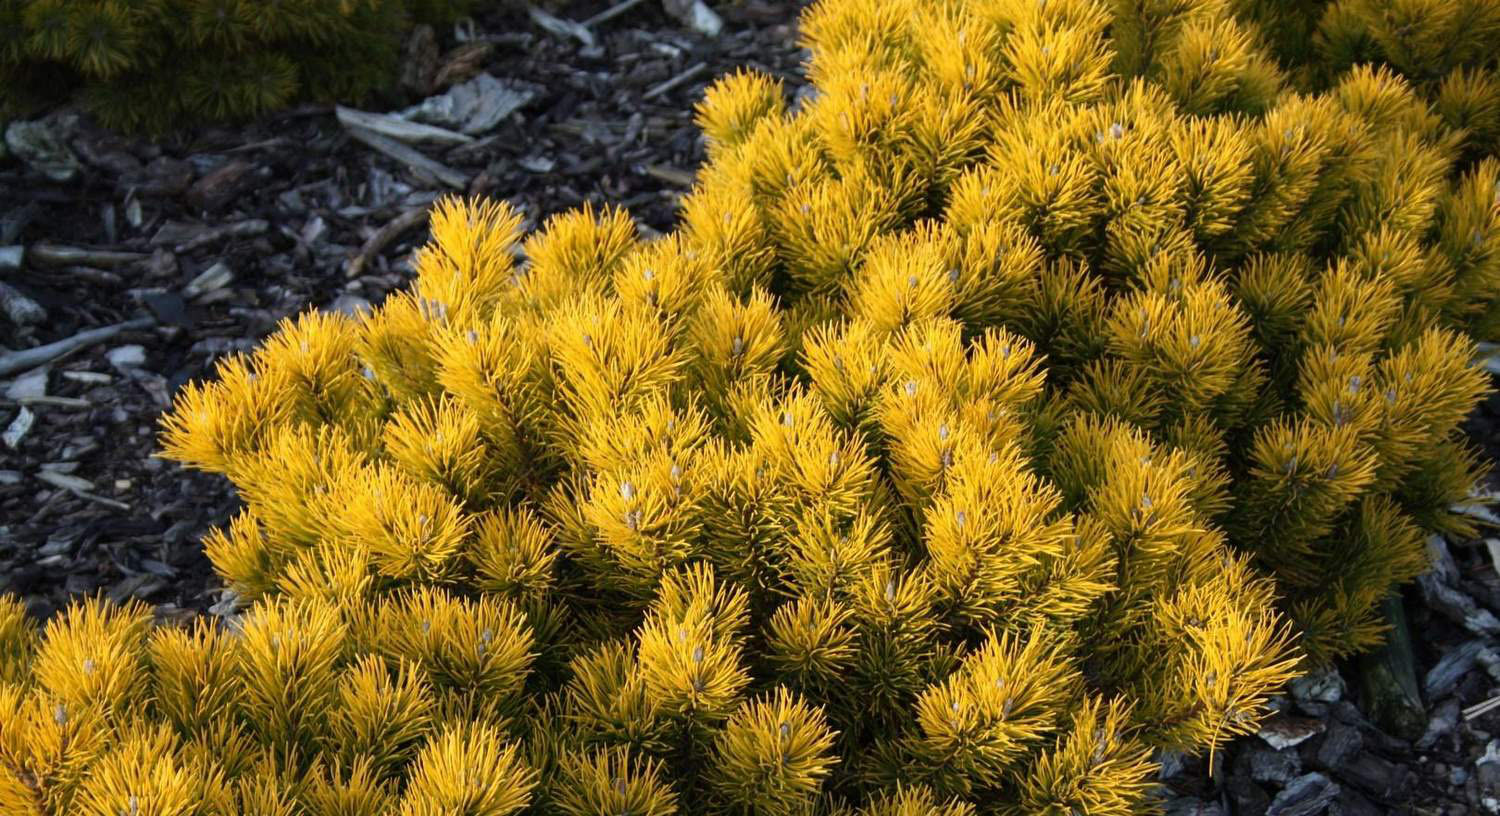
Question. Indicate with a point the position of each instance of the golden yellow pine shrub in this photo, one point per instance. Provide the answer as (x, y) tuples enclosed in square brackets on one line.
[(1037, 396)]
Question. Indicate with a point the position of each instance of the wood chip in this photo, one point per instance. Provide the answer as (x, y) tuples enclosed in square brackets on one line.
[(31, 384), (1480, 709), (562, 28), (55, 402), (25, 359), (136, 586), (102, 277), (242, 229), (417, 162), (383, 237), (611, 13), (18, 428), (215, 277), (20, 308), (671, 175), (64, 481), (680, 79), (696, 14), (51, 255), (221, 186), (82, 488), (398, 128), (462, 63)]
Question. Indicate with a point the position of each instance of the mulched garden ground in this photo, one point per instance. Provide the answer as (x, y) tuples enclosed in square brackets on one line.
[(206, 240)]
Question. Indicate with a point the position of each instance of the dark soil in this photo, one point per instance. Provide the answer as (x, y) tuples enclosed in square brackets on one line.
[(231, 230)]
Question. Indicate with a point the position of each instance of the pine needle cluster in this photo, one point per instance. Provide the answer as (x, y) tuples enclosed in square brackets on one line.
[(1037, 395), (154, 64), (1445, 49)]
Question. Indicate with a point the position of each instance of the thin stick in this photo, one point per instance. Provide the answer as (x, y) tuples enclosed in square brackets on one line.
[(411, 158), (398, 128), (261, 145), (398, 226), (98, 499), (240, 229), (33, 357), (55, 402), (1479, 709), (560, 27), (675, 81), (611, 13), (77, 487), (670, 175), (53, 255)]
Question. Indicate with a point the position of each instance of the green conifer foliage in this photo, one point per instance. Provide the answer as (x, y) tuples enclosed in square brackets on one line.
[(1037, 395), (154, 64)]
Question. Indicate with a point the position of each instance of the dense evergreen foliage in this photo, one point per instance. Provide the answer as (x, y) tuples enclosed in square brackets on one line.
[(1038, 394), (154, 64)]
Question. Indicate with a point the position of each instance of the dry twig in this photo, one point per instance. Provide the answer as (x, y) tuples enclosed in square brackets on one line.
[(25, 359), (240, 229), (52, 255), (675, 81), (671, 175), (1480, 709), (611, 13), (79, 487), (398, 226), (418, 163), (397, 128)]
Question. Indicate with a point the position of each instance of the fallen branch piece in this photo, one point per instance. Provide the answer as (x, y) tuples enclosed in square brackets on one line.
[(52, 255), (671, 175), (55, 402), (383, 237), (611, 13), (31, 358), (264, 144), (1480, 709), (240, 229), (675, 81), (398, 128), (560, 27), (99, 277), (64, 480), (79, 487), (416, 161)]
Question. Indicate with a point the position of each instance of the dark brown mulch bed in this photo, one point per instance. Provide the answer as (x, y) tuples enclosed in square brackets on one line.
[(230, 230)]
